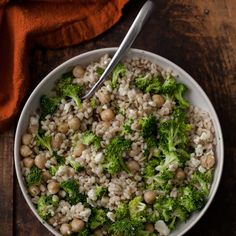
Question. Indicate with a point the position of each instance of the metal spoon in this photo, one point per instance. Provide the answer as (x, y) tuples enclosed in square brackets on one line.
[(133, 32)]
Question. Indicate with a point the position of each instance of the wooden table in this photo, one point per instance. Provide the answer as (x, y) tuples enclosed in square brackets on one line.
[(199, 36)]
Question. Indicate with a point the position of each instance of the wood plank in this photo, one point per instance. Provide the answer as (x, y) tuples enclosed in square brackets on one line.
[(6, 183)]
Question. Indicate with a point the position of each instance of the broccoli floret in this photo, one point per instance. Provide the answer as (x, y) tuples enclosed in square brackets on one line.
[(142, 82), (97, 219), (42, 207), (118, 72), (125, 227), (191, 199), (169, 86), (34, 176), (174, 139), (93, 103), (202, 181), (137, 209), (179, 95), (127, 127), (181, 214), (154, 87), (149, 169), (66, 88), (44, 142), (148, 84), (165, 206), (100, 191), (52, 170), (84, 232), (99, 71), (59, 159), (48, 105), (166, 174), (170, 210), (89, 138), (175, 91), (71, 187), (113, 154), (45, 206), (113, 165), (121, 211), (149, 130), (76, 165), (156, 182), (182, 155), (157, 173), (174, 132), (152, 216), (179, 114), (171, 159)]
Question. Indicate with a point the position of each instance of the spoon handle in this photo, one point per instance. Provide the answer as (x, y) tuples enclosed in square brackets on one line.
[(133, 32)]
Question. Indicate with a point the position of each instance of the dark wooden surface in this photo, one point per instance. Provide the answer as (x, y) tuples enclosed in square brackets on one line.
[(199, 36)]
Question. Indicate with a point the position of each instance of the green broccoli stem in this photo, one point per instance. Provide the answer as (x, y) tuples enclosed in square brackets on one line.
[(123, 165), (45, 142), (76, 100)]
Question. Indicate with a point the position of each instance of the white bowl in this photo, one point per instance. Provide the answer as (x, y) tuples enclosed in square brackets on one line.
[(196, 96)]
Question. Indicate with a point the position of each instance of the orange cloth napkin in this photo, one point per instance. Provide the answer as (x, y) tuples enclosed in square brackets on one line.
[(50, 23)]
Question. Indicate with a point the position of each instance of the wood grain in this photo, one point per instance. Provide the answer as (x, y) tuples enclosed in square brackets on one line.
[(6, 183), (200, 37)]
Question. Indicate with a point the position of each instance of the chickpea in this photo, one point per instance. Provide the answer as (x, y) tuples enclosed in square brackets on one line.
[(74, 123), (77, 225), (25, 151), (179, 174), (34, 190), (134, 152), (46, 176), (207, 161), (78, 71), (40, 161), (149, 227), (53, 187), (98, 232), (104, 97), (28, 162), (65, 229), (158, 99), (57, 141), (33, 129), (133, 166), (78, 149), (107, 115), (63, 127), (149, 197), (26, 138)]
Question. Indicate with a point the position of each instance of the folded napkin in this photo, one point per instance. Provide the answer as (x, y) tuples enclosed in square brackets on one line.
[(49, 23)]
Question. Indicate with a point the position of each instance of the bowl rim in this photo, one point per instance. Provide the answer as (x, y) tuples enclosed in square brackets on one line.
[(104, 51)]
